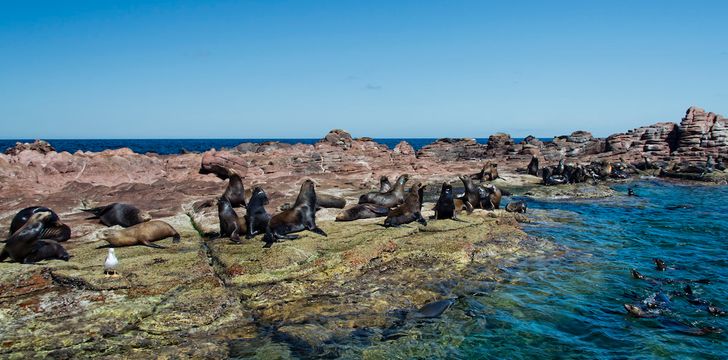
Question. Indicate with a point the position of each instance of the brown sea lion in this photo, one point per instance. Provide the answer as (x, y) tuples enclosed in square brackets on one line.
[(384, 184), (235, 191), (410, 210), (330, 201), (53, 228), (25, 245), (445, 206), (490, 197), (362, 211), (391, 198), (121, 214), (256, 217), (302, 216), (141, 234), (517, 207), (489, 172), (231, 225), (471, 194)]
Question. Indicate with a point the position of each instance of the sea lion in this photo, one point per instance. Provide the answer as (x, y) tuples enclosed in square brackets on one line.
[(445, 206), (384, 184), (410, 210), (140, 234), (391, 198), (302, 216), (533, 166), (235, 191), (630, 192), (121, 214), (492, 173), (24, 246), (256, 217), (471, 194), (362, 211), (490, 197), (230, 224), (330, 201), (517, 207), (53, 228), (433, 309), (659, 264), (639, 312)]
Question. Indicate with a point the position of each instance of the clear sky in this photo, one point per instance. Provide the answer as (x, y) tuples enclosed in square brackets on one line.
[(250, 69)]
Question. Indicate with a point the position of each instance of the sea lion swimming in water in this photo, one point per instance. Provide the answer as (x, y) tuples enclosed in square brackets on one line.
[(230, 224), (256, 217), (25, 246), (391, 198), (140, 234), (517, 207), (235, 191), (445, 206), (121, 214), (53, 228), (302, 216), (410, 210), (362, 211)]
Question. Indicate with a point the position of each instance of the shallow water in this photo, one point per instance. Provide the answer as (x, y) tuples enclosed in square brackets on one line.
[(570, 304)]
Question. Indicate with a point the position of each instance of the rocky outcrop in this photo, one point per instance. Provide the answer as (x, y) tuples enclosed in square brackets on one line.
[(338, 137), (450, 149), (702, 133), (40, 146)]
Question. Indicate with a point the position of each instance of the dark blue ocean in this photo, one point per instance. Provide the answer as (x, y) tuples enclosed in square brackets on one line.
[(176, 146)]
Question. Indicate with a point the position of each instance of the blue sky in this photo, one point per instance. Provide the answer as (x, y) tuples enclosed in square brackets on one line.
[(248, 69)]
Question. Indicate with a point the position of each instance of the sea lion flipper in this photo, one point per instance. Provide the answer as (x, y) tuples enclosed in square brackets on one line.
[(3, 255), (152, 245), (317, 230), (289, 237)]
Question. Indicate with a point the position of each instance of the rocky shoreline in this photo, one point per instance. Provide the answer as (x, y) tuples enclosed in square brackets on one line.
[(201, 297)]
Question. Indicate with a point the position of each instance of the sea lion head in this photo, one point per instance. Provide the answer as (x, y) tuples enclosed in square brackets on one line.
[(145, 216), (446, 189), (260, 195), (42, 216), (402, 179)]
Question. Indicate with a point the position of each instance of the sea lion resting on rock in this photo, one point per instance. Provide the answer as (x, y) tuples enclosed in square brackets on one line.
[(533, 166), (517, 207), (24, 246), (230, 224), (323, 201), (141, 234), (362, 211), (391, 198), (257, 218), (302, 216), (121, 214), (53, 228), (471, 194), (410, 210), (235, 191), (490, 197)]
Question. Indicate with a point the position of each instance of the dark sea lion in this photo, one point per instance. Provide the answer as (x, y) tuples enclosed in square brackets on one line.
[(235, 191), (141, 234), (715, 311), (490, 197), (230, 224), (533, 166), (639, 312), (445, 206), (302, 216), (121, 214), (434, 309), (53, 228), (660, 264), (637, 275), (630, 192), (22, 243), (517, 207), (559, 169), (391, 198), (46, 250), (410, 210), (384, 184), (471, 194), (257, 218), (362, 211)]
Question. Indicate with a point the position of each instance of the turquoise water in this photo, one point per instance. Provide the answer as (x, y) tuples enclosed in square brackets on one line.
[(571, 306)]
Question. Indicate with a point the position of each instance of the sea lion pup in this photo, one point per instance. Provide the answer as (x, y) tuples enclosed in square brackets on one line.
[(53, 228), (517, 207), (24, 246), (410, 210), (445, 206), (490, 197), (533, 166), (121, 214), (302, 216), (235, 191), (362, 211), (471, 194), (141, 234), (384, 184), (256, 217), (389, 199), (230, 224)]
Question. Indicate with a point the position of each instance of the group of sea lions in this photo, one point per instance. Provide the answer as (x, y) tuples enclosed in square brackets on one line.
[(659, 303), (36, 233)]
